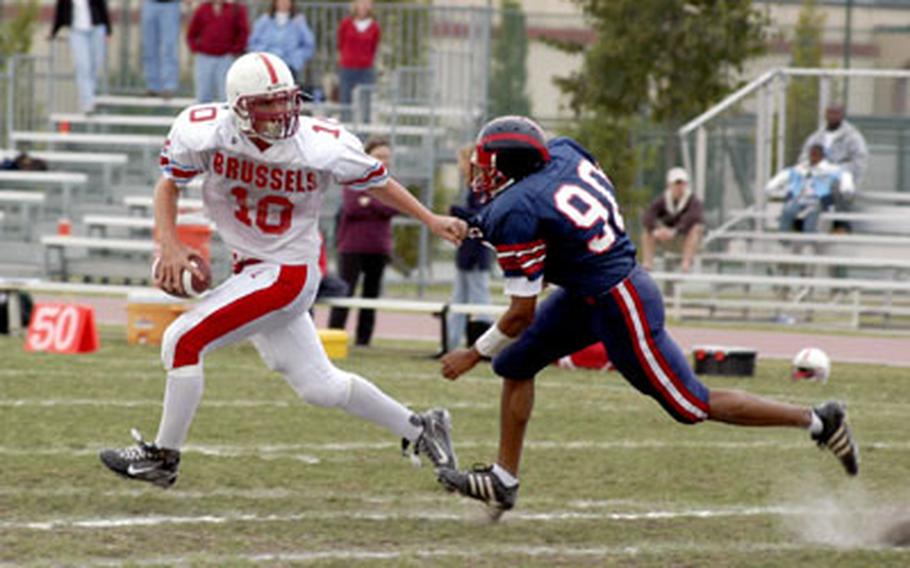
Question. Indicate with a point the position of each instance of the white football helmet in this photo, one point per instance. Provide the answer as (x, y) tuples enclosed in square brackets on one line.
[(263, 96), (811, 364)]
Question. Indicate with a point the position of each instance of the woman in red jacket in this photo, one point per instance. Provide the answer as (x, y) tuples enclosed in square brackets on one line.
[(358, 39), (217, 35)]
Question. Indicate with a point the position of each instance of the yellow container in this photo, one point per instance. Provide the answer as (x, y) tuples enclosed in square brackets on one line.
[(335, 343), (149, 314)]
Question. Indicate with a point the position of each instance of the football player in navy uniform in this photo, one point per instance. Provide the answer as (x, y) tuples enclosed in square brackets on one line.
[(552, 217)]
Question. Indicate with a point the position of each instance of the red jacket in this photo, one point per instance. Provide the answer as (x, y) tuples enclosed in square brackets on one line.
[(222, 34), (357, 50)]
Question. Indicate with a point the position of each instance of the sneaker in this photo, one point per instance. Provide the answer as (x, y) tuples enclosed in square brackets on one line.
[(482, 484), (144, 462), (836, 435), (435, 441)]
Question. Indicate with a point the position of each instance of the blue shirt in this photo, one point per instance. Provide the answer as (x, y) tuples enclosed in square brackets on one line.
[(293, 42), (560, 225)]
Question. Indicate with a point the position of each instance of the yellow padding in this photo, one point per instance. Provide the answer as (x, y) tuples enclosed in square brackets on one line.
[(146, 322), (335, 342)]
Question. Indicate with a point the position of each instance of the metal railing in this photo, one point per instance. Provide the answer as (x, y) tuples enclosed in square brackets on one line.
[(743, 140)]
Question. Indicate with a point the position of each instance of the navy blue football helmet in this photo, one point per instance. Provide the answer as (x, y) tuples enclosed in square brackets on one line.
[(508, 149)]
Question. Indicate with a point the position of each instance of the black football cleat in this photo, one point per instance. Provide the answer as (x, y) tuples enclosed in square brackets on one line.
[(836, 435), (482, 484), (435, 441), (143, 462)]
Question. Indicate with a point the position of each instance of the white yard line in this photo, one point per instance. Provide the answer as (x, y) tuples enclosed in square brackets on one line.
[(884, 408), (292, 451), (513, 553), (406, 515), (282, 494)]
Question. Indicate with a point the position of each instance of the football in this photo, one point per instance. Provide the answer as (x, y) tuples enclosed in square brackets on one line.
[(193, 286)]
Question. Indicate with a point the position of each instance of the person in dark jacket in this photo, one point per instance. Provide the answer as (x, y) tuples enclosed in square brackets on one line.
[(472, 264), (90, 26), (217, 35), (675, 219), (364, 239)]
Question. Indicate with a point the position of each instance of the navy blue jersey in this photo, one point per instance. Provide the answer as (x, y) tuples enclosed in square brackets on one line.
[(560, 225)]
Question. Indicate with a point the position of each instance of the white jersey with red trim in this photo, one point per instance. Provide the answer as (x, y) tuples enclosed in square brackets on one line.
[(265, 202)]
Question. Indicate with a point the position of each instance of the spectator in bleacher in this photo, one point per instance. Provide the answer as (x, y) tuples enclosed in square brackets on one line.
[(217, 34), (674, 220), (810, 188), (364, 240), (472, 264), (285, 33), (358, 40), (844, 146), (160, 21), (90, 26)]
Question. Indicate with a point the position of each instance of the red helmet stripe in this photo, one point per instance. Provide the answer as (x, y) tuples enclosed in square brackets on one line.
[(273, 76), (519, 137)]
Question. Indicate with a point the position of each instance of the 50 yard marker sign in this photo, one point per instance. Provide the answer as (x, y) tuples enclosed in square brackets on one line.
[(62, 328)]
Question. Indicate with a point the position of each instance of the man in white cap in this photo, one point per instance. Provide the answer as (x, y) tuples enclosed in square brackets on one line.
[(675, 219)]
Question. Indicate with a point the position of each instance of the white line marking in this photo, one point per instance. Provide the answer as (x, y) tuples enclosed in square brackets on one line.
[(384, 516), (650, 550), (262, 494), (291, 451), (880, 408)]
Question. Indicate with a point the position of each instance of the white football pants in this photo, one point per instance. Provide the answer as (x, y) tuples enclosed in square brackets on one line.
[(267, 303)]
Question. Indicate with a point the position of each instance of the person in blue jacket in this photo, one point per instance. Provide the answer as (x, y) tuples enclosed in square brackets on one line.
[(285, 33), (810, 188)]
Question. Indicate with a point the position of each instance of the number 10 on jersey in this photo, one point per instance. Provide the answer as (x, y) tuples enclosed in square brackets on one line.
[(270, 214)]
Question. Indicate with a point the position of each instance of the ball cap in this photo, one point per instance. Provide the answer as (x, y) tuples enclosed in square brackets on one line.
[(677, 174)]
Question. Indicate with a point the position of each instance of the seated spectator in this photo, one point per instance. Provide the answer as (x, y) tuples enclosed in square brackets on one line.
[(217, 34), (364, 239), (675, 220), (809, 188), (285, 33), (24, 162), (843, 146)]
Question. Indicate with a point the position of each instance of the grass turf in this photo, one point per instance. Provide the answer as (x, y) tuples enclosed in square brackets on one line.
[(607, 477)]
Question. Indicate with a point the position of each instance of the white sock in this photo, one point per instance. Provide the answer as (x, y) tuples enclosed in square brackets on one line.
[(816, 426), (370, 403), (507, 478), (181, 397)]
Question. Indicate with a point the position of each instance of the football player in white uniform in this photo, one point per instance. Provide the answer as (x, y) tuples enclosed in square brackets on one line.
[(266, 169)]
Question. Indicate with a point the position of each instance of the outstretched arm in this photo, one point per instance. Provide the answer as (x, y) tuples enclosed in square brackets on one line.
[(394, 194), (510, 325)]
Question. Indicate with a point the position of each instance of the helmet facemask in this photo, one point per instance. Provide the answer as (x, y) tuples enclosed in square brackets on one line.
[(486, 179), (272, 116)]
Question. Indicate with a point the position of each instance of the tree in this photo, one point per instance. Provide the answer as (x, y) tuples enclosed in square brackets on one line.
[(510, 54), (655, 62), (16, 34), (802, 92)]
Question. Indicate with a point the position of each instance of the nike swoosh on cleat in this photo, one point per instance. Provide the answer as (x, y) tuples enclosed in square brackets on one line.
[(444, 457), (133, 470)]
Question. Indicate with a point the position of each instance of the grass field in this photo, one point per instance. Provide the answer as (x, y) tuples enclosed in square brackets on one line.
[(607, 480)]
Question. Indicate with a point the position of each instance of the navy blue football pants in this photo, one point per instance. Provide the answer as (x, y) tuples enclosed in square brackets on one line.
[(629, 321)]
